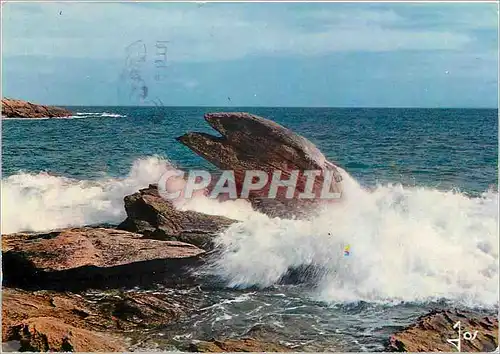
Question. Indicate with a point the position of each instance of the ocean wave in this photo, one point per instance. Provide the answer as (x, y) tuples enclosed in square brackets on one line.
[(41, 202), (405, 244), (411, 244), (97, 115), (77, 115)]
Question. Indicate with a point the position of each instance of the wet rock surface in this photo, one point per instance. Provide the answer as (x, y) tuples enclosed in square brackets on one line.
[(431, 332), (22, 109), (155, 217)]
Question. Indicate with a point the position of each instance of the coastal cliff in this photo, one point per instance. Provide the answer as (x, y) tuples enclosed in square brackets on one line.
[(12, 108)]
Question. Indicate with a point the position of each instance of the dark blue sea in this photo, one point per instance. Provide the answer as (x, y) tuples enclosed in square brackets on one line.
[(441, 148), (421, 215)]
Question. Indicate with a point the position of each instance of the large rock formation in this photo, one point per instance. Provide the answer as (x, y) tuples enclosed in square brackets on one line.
[(155, 217), (22, 109), (431, 333), (250, 142), (80, 258)]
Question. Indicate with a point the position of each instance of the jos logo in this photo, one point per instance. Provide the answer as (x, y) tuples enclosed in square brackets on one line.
[(457, 342)]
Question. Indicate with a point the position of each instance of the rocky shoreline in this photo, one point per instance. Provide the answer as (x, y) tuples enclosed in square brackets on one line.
[(48, 276), (12, 108)]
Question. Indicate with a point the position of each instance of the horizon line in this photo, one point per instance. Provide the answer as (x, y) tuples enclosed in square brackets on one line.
[(244, 106)]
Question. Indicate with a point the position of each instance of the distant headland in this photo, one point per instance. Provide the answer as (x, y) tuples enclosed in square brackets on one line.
[(12, 108)]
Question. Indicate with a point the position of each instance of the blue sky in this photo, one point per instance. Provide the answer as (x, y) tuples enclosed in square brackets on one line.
[(260, 54)]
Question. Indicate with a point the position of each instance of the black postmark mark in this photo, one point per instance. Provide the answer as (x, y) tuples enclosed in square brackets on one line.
[(133, 86), (161, 60)]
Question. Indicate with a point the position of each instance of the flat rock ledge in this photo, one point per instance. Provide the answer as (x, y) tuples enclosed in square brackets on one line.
[(22, 109), (80, 258)]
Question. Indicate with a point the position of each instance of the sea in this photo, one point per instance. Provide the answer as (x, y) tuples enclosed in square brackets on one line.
[(420, 216)]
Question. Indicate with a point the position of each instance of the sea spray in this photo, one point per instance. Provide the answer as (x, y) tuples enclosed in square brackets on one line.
[(406, 244), (41, 202)]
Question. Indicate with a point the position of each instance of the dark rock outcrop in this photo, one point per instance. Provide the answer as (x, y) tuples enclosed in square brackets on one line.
[(431, 332), (22, 109), (250, 142), (80, 258), (155, 217)]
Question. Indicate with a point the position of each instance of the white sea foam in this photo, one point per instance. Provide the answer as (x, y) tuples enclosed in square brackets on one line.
[(406, 244), (80, 115), (39, 202)]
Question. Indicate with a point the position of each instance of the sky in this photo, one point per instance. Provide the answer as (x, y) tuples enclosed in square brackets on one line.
[(252, 54)]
